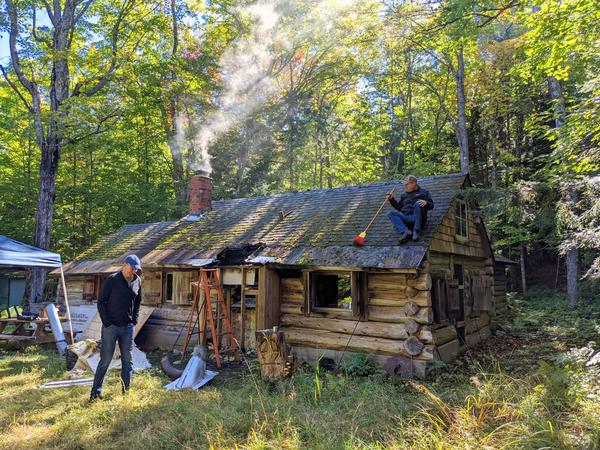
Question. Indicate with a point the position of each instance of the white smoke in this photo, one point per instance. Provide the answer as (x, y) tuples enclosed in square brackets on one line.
[(247, 66)]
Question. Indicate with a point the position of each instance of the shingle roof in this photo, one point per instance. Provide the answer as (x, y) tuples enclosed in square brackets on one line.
[(318, 231)]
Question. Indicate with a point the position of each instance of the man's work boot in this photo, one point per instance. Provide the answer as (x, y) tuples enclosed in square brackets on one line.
[(405, 237), (416, 235), (94, 397)]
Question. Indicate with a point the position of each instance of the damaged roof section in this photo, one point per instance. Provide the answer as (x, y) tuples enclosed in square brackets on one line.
[(311, 228)]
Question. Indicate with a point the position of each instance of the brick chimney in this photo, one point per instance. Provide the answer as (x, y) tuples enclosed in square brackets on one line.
[(200, 189)]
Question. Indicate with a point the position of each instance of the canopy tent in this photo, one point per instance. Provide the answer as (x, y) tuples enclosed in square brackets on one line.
[(17, 255)]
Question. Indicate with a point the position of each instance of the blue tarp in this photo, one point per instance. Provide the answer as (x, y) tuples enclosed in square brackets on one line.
[(16, 254)]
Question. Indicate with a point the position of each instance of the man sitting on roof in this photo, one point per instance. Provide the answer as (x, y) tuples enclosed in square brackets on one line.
[(411, 210)]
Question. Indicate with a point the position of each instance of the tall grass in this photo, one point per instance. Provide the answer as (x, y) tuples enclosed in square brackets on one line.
[(516, 391)]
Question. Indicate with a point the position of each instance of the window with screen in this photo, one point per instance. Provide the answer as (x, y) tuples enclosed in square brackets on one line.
[(461, 222)]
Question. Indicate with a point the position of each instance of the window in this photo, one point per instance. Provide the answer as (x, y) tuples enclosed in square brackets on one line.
[(332, 291), (169, 288), (344, 292), (460, 221)]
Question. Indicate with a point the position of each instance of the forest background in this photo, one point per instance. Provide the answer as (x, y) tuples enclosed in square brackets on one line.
[(108, 106)]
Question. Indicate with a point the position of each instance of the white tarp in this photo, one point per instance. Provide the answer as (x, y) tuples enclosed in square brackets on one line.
[(17, 254)]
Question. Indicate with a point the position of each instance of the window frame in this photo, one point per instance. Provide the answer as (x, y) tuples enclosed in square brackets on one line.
[(358, 292), (460, 220)]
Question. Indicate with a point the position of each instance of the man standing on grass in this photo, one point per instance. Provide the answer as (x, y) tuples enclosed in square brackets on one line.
[(118, 306), (411, 210)]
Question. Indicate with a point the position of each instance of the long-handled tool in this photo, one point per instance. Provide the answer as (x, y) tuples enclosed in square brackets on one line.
[(362, 237)]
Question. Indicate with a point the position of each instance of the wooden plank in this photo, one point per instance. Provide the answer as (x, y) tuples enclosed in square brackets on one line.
[(387, 278), (15, 337), (261, 299), (152, 287), (89, 288), (287, 308), (182, 287), (339, 341), (370, 328), (423, 298), (272, 290), (398, 314), (291, 284)]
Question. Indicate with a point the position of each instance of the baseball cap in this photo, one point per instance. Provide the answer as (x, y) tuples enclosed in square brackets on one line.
[(134, 262)]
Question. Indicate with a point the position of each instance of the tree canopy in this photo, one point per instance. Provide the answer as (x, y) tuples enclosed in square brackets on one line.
[(127, 98)]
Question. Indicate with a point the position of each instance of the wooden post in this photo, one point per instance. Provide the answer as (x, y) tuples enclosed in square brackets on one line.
[(243, 311), (228, 303), (267, 301)]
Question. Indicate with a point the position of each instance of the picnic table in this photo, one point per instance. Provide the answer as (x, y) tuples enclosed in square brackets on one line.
[(39, 334)]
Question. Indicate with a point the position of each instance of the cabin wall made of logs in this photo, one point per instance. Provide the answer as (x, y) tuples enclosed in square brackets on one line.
[(395, 321)]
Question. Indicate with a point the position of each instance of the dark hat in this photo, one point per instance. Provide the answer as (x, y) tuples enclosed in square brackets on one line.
[(134, 262)]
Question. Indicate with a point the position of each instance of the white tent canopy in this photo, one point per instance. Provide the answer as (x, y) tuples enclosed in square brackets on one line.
[(17, 255)]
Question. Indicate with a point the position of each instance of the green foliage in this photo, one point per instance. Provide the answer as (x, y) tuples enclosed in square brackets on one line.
[(361, 365), (361, 93)]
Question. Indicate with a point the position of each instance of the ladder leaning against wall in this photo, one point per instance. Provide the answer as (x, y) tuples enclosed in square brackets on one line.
[(217, 317)]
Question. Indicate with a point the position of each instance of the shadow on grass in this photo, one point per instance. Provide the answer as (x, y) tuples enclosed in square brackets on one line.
[(499, 394)]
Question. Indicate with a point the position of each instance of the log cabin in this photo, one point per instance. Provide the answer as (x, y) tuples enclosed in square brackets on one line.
[(288, 260)]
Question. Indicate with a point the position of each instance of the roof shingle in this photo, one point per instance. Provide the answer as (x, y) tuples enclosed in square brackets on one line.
[(318, 230)]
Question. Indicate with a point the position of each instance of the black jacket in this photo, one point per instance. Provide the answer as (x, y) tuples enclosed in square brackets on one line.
[(120, 301), (406, 204)]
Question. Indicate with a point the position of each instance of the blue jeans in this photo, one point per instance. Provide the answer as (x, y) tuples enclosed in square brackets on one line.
[(405, 222), (110, 336)]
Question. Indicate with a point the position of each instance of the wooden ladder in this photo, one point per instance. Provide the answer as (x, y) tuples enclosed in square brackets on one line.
[(208, 279)]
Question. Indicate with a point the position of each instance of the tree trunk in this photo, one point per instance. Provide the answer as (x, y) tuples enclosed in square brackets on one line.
[(49, 125), (173, 126), (569, 194), (50, 147), (494, 152), (523, 251), (461, 128)]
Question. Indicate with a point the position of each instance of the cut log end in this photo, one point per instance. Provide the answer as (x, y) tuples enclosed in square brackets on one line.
[(413, 346), (411, 326), (411, 308)]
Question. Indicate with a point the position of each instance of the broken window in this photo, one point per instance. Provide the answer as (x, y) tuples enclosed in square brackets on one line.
[(338, 290), (332, 291), (460, 219)]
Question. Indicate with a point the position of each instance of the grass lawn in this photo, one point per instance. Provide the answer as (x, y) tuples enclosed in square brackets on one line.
[(527, 387)]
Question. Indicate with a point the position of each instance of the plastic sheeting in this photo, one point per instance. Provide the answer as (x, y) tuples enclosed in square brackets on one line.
[(17, 254)]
